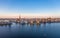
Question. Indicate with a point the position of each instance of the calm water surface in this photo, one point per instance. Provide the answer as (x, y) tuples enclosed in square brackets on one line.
[(48, 30)]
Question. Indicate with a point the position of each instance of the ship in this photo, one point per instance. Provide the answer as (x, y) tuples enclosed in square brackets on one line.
[(6, 22)]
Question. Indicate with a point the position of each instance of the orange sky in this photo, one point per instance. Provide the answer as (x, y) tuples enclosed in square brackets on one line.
[(38, 15), (26, 15), (9, 15)]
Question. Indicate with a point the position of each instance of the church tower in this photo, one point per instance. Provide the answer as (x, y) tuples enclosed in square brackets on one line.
[(18, 19)]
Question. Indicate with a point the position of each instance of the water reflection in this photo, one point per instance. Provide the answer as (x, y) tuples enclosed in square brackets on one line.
[(44, 30), (9, 26), (5, 25)]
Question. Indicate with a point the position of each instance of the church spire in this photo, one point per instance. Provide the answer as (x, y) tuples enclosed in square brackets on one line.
[(18, 19)]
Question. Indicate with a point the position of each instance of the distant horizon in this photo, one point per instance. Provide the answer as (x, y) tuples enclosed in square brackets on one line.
[(29, 16)]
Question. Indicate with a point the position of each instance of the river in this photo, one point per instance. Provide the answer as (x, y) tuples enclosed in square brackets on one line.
[(48, 30)]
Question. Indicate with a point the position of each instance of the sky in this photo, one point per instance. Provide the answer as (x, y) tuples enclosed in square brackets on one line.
[(30, 8)]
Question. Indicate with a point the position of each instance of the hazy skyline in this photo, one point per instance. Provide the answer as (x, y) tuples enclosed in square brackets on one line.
[(30, 8)]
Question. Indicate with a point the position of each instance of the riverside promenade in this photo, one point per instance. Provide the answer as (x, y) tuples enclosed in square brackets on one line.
[(30, 20), (37, 20)]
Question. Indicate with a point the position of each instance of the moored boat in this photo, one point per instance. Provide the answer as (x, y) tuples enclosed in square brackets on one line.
[(5, 23)]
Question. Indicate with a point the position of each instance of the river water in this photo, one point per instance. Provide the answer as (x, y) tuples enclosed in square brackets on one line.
[(48, 30)]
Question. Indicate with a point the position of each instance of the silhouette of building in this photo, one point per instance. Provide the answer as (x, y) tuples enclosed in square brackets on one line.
[(18, 19)]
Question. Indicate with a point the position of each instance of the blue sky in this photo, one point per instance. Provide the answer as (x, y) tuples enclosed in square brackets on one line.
[(30, 7)]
